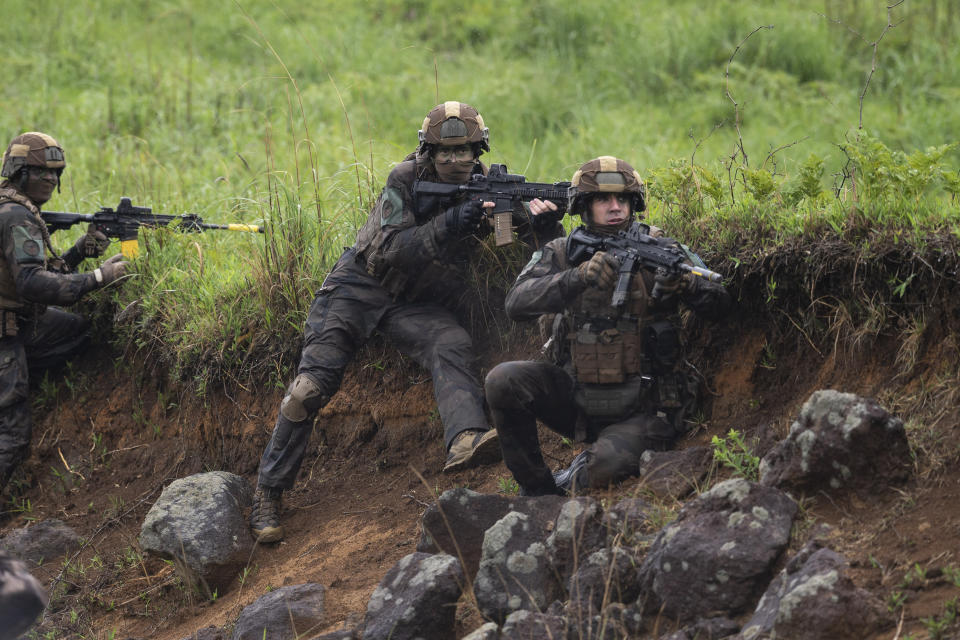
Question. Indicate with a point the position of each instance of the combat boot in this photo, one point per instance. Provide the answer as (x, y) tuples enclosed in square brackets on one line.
[(265, 515), (471, 448)]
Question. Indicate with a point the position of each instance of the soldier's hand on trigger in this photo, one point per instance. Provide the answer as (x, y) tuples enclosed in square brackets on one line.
[(114, 268), (464, 219), (93, 243), (599, 271)]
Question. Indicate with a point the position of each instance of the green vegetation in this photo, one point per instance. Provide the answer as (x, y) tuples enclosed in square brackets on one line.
[(733, 453), (754, 123)]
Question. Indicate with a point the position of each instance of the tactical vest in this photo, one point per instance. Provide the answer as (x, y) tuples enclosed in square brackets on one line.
[(624, 358), (10, 302)]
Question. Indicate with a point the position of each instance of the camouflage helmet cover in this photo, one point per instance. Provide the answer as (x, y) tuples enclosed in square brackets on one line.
[(454, 123), (605, 174), (33, 149)]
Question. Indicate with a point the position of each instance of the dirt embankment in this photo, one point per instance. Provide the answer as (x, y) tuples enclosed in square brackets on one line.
[(108, 439)]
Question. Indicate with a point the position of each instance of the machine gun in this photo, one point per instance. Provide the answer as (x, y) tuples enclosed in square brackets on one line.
[(504, 190), (635, 249), (125, 221)]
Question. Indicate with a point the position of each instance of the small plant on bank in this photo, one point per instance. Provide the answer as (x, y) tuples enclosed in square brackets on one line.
[(508, 486), (733, 453), (938, 626)]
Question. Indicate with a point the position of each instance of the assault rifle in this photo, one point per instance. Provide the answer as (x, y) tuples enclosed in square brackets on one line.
[(504, 190), (125, 221), (635, 249)]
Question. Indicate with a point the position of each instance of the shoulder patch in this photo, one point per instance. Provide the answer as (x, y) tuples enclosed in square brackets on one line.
[(27, 244), (534, 259), (391, 207)]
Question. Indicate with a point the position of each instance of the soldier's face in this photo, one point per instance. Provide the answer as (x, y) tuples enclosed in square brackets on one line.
[(454, 164), (609, 209), (40, 184)]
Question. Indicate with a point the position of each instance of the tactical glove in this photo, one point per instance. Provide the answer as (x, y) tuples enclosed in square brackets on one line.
[(600, 271), (92, 244), (666, 284), (464, 219), (112, 269)]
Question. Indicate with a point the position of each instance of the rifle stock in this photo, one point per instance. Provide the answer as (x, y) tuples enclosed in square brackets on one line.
[(124, 222)]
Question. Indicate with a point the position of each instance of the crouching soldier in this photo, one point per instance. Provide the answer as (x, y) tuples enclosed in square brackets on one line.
[(615, 376), (33, 336)]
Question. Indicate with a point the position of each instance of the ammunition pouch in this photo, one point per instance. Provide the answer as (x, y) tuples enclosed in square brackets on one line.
[(8, 323), (606, 403), (609, 356)]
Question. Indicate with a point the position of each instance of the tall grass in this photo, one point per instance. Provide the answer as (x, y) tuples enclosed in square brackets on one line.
[(293, 113)]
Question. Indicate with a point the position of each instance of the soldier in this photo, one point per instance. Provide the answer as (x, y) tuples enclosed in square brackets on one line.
[(616, 376), (33, 336), (402, 277)]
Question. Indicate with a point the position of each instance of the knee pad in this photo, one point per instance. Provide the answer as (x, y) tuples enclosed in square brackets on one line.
[(303, 399)]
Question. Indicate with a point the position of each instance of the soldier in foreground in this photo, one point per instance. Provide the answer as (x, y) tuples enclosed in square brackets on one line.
[(403, 277), (615, 376), (33, 336)]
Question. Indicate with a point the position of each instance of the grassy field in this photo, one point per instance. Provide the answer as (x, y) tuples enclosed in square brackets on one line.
[(752, 121)]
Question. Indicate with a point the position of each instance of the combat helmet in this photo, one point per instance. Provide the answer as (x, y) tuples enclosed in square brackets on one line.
[(33, 149), (454, 123), (605, 174)]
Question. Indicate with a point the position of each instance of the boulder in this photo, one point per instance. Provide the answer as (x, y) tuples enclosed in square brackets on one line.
[(22, 598), (416, 599), (813, 598), (627, 522), (839, 441), (718, 556), (287, 612), (207, 633), (578, 532), (489, 631), (41, 542), (607, 575), (671, 475), (470, 514), (198, 522), (515, 572), (528, 625)]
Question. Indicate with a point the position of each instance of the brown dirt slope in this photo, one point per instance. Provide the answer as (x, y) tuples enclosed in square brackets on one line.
[(108, 438)]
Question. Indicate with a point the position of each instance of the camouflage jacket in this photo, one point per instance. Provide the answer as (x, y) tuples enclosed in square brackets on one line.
[(549, 284), (405, 243), (26, 275)]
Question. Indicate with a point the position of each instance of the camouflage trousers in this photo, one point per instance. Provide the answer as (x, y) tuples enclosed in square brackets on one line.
[(521, 392), (347, 309), (40, 345)]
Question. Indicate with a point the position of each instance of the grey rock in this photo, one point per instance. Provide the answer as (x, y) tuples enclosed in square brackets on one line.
[(578, 532), (22, 598), (515, 572), (627, 522), (489, 631), (719, 554), (41, 542), (605, 576), (416, 599), (470, 514), (343, 634), (671, 475), (527, 625), (207, 633), (198, 522), (813, 598), (839, 441), (287, 612)]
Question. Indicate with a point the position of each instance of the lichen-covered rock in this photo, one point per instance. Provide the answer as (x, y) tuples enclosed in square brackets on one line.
[(671, 475), (469, 514), (515, 572), (719, 554), (578, 532), (416, 599), (489, 631), (41, 542), (627, 522), (198, 522), (813, 598), (705, 629), (527, 625), (288, 612), (839, 441), (605, 576)]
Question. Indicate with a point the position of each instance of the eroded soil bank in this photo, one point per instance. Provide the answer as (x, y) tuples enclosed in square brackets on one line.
[(108, 438)]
